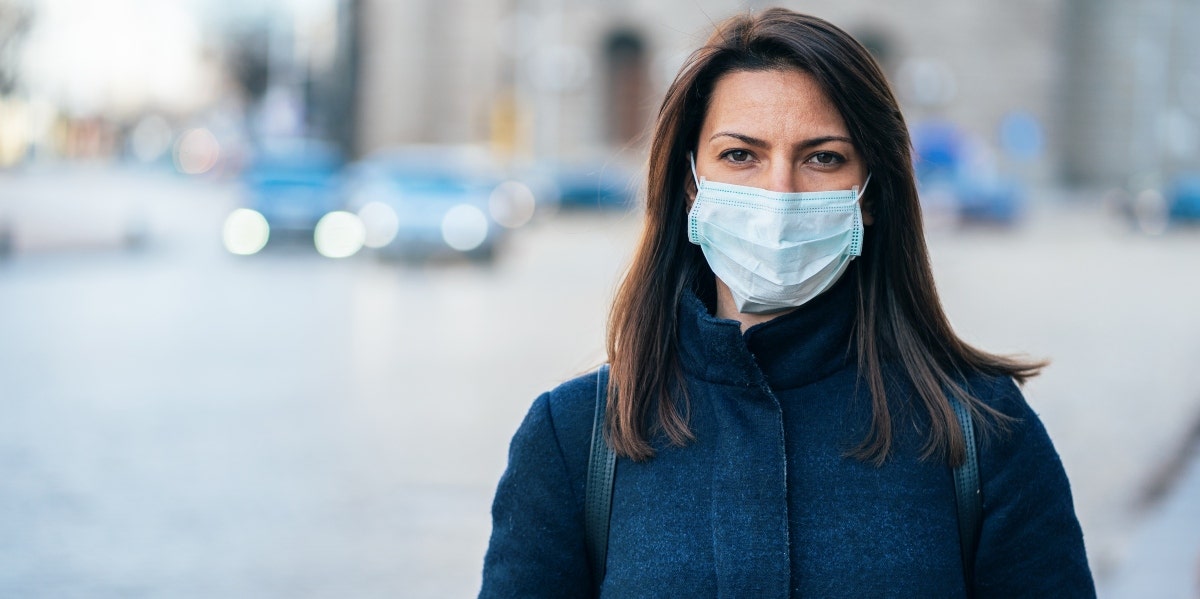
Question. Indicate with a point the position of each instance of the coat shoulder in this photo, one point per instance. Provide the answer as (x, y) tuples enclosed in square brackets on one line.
[(572, 408), (1031, 542), (537, 543), (1000, 393), (562, 418)]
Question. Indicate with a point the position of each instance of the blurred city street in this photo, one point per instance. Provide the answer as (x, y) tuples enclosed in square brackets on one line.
[(279, 279), (183, 422)]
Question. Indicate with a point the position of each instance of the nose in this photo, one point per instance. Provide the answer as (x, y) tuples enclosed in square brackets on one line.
[(782, 177)]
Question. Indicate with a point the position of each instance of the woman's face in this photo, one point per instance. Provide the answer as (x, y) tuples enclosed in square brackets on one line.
[(776, 130)]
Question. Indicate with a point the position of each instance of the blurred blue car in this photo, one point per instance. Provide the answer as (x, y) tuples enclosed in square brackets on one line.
[(292, 185), (1183, 198), (1153, 209), (996, 202), (598, 184), (948, 168), (422, 202)]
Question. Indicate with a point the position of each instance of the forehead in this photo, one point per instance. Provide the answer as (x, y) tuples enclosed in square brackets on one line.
[(773, 104)]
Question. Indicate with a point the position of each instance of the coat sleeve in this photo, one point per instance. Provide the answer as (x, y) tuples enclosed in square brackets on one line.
[(537, 545), (1030, 544)]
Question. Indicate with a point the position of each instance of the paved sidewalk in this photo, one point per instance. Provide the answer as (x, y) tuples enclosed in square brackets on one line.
[(338, 451), (1163, 560)]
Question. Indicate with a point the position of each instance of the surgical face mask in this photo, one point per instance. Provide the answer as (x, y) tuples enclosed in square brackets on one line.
[(775, 250)]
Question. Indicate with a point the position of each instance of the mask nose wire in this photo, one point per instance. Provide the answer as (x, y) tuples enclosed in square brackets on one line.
[(692, 158)]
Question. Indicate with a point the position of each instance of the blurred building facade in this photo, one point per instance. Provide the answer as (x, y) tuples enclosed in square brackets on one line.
[(1129, 105), (1101, 100), (1091, 92)]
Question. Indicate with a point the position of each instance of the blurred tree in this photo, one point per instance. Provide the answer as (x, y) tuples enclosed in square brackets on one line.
[(879, 43), (330, 91), (248, 62), (628, 85), (15, 21)]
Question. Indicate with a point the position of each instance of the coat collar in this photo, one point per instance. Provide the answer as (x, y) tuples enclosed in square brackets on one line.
[(793, 350)]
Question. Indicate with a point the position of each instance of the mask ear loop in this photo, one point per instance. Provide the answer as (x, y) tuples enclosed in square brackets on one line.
[(693, 230), (692, 158), (858, 192), (855, 249), (856, 241)]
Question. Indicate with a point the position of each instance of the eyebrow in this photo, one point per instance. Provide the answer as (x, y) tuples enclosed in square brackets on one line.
[(758, 143)]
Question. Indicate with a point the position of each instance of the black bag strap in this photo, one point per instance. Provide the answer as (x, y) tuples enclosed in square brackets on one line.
[(967, 494), (601, 471)]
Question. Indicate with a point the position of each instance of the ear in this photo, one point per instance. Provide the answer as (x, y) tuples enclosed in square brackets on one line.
[(868, 215), (866, 200), (867, 206)]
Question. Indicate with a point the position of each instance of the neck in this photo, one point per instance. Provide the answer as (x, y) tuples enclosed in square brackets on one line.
[(726, 308)]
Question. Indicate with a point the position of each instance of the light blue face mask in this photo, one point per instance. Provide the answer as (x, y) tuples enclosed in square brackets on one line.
[(775, 250)]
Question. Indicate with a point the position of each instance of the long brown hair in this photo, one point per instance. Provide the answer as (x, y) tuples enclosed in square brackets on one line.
[(899, 316)]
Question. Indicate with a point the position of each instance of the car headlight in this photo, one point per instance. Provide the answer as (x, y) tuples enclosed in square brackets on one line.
[(380, 222), (464, 227), (512, 204), (339, 234), (246, 232)]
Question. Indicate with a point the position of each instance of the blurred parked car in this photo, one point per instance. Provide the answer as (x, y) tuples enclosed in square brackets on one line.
[(1154, 208), (960, 180), (72, 208), (293, 184), (595, 184), (1183, 198), (983, 201), (419, 202), (288, 187)]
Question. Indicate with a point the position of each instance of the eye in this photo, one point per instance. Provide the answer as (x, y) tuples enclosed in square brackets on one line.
[(827, 158), (736, 156)]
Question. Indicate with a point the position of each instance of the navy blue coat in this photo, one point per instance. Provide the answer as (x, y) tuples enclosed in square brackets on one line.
[(765, 502)]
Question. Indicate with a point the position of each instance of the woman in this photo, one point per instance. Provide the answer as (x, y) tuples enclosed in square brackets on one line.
[(782, 370)]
